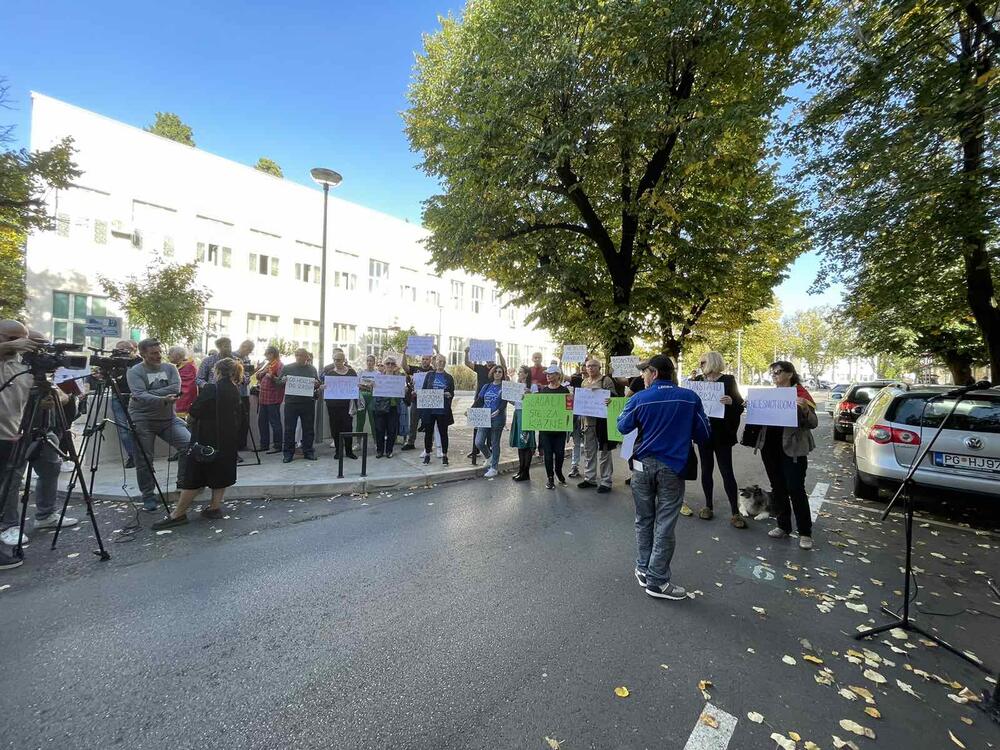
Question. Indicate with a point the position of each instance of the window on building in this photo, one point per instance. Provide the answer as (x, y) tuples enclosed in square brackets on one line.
[(513, 356), (345, 280), (378, 272), (376, 339), (265, 265), (216, 325), (305, 335), (477, 299), (433, 298), (307, 272), (408, 293), (511, 317), (69, 316), (213, 255), (457, 293), (168, 246), (346, 337), (100, 232), (456, 350), (262, 329)]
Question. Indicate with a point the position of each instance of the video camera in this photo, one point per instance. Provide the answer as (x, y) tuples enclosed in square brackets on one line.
[(117, 363), (50, 357)]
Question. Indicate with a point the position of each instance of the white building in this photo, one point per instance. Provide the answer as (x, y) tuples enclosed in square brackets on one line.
[(257, 239)]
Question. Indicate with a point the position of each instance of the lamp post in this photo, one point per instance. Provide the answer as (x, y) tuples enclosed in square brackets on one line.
[(328, 179)]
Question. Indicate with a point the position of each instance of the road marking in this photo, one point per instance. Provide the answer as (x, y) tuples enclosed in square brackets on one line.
[(817, 498), (757, 571), (704, 737)]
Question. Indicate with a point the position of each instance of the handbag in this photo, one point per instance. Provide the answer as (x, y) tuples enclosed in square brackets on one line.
[(751, 433), (195, 451), (691, 467)]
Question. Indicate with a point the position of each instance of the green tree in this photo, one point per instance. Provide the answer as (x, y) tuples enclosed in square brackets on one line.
[(12, 290), (396, 340), (901, 139), (165, 301), (756, 345), (268, 165), (809, 338), (171, 126), (284, 346), (604, 161)]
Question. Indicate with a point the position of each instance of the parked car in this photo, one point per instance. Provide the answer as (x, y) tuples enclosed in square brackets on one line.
[(836, 394), (859, 394), (900, 419)]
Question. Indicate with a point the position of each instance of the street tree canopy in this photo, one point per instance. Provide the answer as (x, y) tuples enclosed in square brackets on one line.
[(268, 165), (606, 163), (170, 125)]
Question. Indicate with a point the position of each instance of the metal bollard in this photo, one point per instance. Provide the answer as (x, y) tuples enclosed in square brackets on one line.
[(364, 452)]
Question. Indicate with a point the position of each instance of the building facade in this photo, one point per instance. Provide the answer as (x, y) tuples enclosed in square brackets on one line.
[(256, 239)]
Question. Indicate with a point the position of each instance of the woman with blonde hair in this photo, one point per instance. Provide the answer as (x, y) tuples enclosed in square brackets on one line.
[(719, 449)]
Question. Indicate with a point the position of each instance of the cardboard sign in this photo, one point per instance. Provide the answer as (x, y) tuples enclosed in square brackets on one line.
[(389, 386), (512, 391), (709, 393), (614, 410), (419, 346), (589, 402), (98, 326), (547, 413), (628, 444), (479, 418), (297, 385), (774, 407), (573, 353), (482, 350), (625, 366), (341, 387), (418, 379), (430, 398)]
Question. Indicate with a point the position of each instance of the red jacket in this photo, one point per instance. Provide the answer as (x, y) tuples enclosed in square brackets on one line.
[(189, 389)]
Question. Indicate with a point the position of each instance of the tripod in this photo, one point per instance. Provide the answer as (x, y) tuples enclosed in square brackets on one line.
[(42, 413), (903, 621)]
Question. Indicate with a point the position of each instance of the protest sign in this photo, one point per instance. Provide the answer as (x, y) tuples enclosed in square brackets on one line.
[(589, 402), (628, 445), (62, 374), (482, 350), (341, 387), (511, 391), (389, 386), (625, 367), (368, 375), (614, 409), (430, 398), (774, 407), (418, 380), (547, 412), (709, 393), (420, 345), (296, 385), (479, 418), (573, 353)]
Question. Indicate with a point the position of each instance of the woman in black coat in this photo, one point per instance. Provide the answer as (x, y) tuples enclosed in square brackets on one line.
[(439, 418), (216, 415), (720, 448)]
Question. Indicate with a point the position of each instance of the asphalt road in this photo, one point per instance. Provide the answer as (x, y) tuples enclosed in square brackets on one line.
[(486, 614)]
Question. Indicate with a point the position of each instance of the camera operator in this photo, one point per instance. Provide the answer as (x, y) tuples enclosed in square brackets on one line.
[(155, 385)]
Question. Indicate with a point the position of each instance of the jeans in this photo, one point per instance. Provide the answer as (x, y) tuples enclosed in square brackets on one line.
[(723, 454), (296, 411), (658, 494), (386, 428), (46, 483), (488, 443), (173, 432), (269, 425), (441, 422), (788, 487), (594, 457), (339, 412), (553, 448), (121, 423), (577, 443)]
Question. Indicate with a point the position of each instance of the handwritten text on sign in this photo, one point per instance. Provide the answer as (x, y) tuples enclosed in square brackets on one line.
[(340, 387), (430, 398), (573, 353), (511, 391), (547, 413), (420, 345), (774, 407), (480, 417), (296, 385), (590, 403), (482, 350), (709, 393), (625, 366), (389, 386)]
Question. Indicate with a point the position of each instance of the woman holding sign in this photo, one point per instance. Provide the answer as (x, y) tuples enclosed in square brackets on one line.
[(553, 444), (438, 417), (339, 410), (386, 412), (784, 451), (488, 440), (719, 450), (523, 441)]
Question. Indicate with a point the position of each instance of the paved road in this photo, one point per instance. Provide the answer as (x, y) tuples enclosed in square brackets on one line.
[(480, 615)]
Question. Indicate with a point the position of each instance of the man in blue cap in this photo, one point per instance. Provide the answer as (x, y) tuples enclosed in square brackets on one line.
[(667, 419)]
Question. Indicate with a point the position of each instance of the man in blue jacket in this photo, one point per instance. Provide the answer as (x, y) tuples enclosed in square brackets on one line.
[(667, 419)]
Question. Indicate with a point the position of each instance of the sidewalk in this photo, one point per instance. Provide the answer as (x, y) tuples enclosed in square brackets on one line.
[(301, 478)]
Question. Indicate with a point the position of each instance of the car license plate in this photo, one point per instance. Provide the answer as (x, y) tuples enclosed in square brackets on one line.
[(972, 463)]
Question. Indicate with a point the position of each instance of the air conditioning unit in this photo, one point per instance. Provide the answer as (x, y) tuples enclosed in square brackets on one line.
[(122, 229)]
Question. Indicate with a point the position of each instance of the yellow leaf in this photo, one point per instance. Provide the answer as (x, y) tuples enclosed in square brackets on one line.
[(863, 692), (874, 676), (795, 736), (966, 720), (783, 742), (839, 743), (788, 660), (853, 726), (873, 712), (621, 692), (813, 659), (709, 721), (810, 745), (553, 743), (955, 739)]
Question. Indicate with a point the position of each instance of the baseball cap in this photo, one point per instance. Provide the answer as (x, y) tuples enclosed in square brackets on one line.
[(552, 370), (659, 362)]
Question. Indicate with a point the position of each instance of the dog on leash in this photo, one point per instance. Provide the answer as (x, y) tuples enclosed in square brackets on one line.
[(756, 503)]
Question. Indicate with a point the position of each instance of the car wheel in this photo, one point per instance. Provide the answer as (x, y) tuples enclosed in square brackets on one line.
[(863, 491), (837, 435)]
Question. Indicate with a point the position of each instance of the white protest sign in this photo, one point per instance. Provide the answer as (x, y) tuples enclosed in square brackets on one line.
[(511, 391), (482, 350), (418, 379), (389, 386), (589, 402), (419, 345), (341, 387), (367, 377), (774, 407), (430, 398), (628, 444), (573, 353), (297, 385), (625, 366), (479, 418), (709, 393), (62, 374)]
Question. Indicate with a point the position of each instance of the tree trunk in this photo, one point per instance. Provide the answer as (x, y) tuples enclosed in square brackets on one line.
[(960, 367)]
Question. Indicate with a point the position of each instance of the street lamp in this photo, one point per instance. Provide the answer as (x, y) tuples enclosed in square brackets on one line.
[(328, 179)]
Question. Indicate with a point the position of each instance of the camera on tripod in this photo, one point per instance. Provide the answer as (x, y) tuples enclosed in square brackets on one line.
[(117, 363), (50, 357)]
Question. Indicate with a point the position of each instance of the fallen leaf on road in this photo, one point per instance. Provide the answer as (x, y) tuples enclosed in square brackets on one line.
[(553, 743), (862, 608), (863, 692), (907, 689), (839, 743), (873, 712), (621, 692), (783, 742), (165, 531), (970, 696), (709, 721), (852, 726), (813, 659), (875, 581), (966, 720), (703, 686), (958, 699), (664, 666), (845, 693), (795, 736), (955, 739), (760, 611), (874, 676), (811, 745), (788, 660), (899, 634), (755, 717)]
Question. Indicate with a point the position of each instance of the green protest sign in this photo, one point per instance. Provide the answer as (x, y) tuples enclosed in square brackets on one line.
[(614, 409), (547, 412)]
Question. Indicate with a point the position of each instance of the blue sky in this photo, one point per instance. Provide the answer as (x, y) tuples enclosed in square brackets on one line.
[(316, 84)]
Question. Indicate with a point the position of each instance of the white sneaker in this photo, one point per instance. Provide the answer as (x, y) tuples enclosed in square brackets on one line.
[(9, 537), (805, 542), (490, 473), (777, 533), (333, 443), (51, 521), (423, 454), (439, 453)]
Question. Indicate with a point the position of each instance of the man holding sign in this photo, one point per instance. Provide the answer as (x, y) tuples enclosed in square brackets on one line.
[(597, 447), (667, 419), (301, 382)]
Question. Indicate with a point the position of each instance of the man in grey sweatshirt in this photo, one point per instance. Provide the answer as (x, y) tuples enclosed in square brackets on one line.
[(155, 385)]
